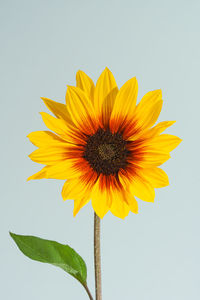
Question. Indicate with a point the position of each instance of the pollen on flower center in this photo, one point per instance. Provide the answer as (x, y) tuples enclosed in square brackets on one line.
[(106, 152)]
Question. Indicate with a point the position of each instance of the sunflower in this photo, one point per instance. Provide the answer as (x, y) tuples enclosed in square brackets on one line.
[(104, 145)]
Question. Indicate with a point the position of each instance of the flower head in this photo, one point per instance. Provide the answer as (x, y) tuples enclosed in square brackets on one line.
[(104, 145)]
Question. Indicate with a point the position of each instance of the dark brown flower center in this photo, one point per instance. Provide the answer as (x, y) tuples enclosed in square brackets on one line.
[(106, 152)]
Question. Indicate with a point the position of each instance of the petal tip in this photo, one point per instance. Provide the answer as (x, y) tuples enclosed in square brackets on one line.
[(100, 215), (74, 213), (107, 69), (71, 90), (159, 92)]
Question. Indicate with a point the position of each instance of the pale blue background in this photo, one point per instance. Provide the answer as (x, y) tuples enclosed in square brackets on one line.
[(150, 256)]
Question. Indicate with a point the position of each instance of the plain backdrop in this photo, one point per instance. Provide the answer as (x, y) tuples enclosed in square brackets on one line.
[(150, 256)]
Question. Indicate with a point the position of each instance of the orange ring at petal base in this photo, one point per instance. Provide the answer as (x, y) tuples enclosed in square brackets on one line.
[(104, 145)]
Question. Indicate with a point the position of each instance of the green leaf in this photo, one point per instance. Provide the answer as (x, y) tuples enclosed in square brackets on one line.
[(54, 253)]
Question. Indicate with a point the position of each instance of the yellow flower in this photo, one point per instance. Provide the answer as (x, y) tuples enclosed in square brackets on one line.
[(104, 145)]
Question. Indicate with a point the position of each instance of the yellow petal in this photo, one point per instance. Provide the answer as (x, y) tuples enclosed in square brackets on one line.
[(104, 94), (142, 189), (153, 157), (45, 138), (119, 207), (100, 200), (158, 129), (151, 97), (64, 170), (48, 156), (58, 109), (85, 83), (54, 124), (125, 103), (65, 131), (156, 177), (78, 204), (148, 110), (165, 142), (81, 110), (107, 107), (74, 189), (100, 206), (133, 205), (39, 175)]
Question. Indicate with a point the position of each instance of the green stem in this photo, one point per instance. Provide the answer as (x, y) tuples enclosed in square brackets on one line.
[(88, 291), (97, 257)]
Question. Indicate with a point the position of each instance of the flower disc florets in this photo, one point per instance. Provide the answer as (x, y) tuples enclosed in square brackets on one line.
[(106, 152)]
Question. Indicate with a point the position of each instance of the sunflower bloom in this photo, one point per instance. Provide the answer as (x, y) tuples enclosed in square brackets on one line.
[(104, 145)]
